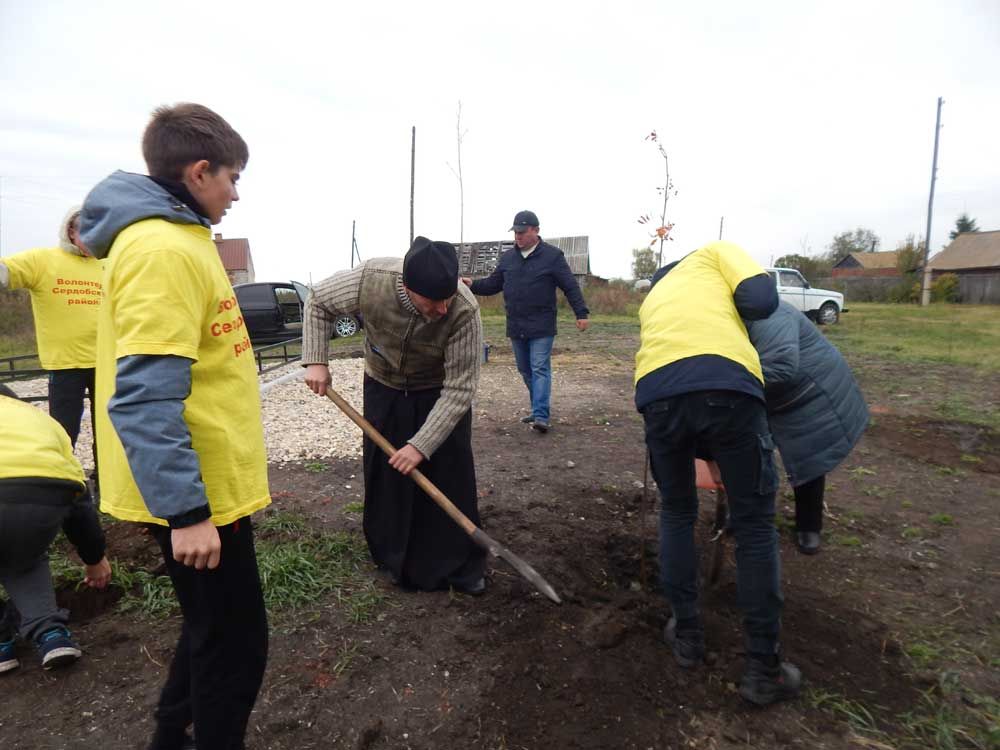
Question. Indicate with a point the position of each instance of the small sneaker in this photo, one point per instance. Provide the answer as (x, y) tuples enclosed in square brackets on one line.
[(540, 426), (8, 660), (688, 645), (527, 420), (764, 685), (57, 648)]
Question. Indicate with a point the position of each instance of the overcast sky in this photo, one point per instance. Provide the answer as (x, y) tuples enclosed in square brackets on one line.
[(794, 120)]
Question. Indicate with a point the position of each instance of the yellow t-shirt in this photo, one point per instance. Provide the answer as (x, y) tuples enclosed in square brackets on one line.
[(167, 294), (33, 444), (704, 282), (66, 293)]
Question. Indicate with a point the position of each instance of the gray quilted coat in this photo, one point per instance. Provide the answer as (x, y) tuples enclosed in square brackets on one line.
[(814, 405)]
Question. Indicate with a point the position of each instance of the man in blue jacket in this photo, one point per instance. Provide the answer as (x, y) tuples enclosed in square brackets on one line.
[(528, 275)]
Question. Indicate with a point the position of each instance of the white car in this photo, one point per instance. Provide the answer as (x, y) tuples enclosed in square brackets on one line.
[(822, 305)]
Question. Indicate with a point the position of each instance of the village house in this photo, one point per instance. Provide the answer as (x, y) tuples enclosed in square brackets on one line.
[(236, 258)]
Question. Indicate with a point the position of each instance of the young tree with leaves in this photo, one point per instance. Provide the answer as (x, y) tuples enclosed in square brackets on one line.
[(643, 262)]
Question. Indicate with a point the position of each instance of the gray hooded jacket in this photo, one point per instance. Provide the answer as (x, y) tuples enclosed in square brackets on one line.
[(147, 408)]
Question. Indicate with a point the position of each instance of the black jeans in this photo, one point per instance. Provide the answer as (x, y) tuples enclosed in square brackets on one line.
[(809, 505), (67, 389), (731, 427), (219, 663)]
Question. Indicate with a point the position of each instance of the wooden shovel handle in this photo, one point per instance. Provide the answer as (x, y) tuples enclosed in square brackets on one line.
[(423, 482)]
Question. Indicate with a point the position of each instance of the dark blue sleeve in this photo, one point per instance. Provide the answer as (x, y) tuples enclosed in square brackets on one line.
[(776, 339), (756, 297), (492, 283), (147, 411), (566, 281)]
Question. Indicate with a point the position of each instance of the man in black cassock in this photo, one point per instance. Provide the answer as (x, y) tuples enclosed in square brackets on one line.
[(423, 344)]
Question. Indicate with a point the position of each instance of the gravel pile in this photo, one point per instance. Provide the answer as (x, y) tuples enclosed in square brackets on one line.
[(298, 425)]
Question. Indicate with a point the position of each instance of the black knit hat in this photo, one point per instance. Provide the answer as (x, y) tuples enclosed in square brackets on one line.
[(431, 269)]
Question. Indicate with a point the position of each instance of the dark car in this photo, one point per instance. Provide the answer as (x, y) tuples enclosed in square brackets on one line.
[(272, 311)]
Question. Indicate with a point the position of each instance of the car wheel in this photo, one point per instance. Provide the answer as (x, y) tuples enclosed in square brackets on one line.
[(828, 314), (345, 326)]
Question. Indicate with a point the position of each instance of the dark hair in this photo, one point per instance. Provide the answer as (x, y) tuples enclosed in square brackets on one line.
[(186, 133)]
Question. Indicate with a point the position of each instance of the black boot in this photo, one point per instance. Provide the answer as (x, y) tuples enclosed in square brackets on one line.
[(768, 680)]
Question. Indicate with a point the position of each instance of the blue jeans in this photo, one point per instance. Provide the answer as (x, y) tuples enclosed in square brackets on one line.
[(534, 362), (731, 428)]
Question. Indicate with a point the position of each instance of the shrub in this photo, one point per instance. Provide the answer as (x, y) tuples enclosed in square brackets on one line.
[(945, 288)]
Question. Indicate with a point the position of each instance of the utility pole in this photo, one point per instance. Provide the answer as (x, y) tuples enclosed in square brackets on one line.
[(721, 219), (413, 172), (925, 292), (354, 245)]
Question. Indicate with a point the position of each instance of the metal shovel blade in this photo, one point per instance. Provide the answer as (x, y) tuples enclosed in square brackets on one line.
[(481, 538)]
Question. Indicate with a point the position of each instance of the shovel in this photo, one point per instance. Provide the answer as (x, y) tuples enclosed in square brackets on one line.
[(478, 535)]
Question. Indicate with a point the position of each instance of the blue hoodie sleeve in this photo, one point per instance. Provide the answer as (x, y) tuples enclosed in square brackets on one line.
[(756, 297), (147, 411)]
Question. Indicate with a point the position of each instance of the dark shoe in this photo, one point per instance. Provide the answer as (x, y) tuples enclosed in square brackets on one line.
[(8, 660), (763, 685), (688, 645), (808, 542), (527, 420), (57, 648), (172, 738), (540, 426), (476, 588)]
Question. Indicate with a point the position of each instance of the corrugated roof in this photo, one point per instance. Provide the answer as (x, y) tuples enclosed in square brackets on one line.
[(885, 259), (235, 253), (969, 250)]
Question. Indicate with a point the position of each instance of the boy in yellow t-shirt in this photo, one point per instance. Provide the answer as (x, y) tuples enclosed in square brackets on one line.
[(41, 490), (66, 285), (181, 439)]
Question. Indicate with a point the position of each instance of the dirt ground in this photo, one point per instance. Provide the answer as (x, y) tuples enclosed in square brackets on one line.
[(894, 624)]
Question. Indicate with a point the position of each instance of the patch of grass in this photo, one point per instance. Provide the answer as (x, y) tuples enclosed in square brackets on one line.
[(354, 507), (922, 655), (907, 503), (861, 471), (783, 523), (297, 572), (847, 541), (854, 515), (315, 467), (948, 471), (949, 717), (967, 459), (913, 532), (146, 594), (912, 334), (855, 713), (942, 519), (281, 522)]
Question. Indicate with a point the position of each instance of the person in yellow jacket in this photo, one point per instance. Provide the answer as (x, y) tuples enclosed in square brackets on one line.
[(700, 389), (67, 286), (41, 489), (179, 424)]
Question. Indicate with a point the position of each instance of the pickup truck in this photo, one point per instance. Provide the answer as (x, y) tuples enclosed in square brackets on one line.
[(822, 305), (272, 311)]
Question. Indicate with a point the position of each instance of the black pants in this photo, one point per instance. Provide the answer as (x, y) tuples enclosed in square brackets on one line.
[(219, 663), (67, 390), (732, 428), (809, 505), (407, 533)]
